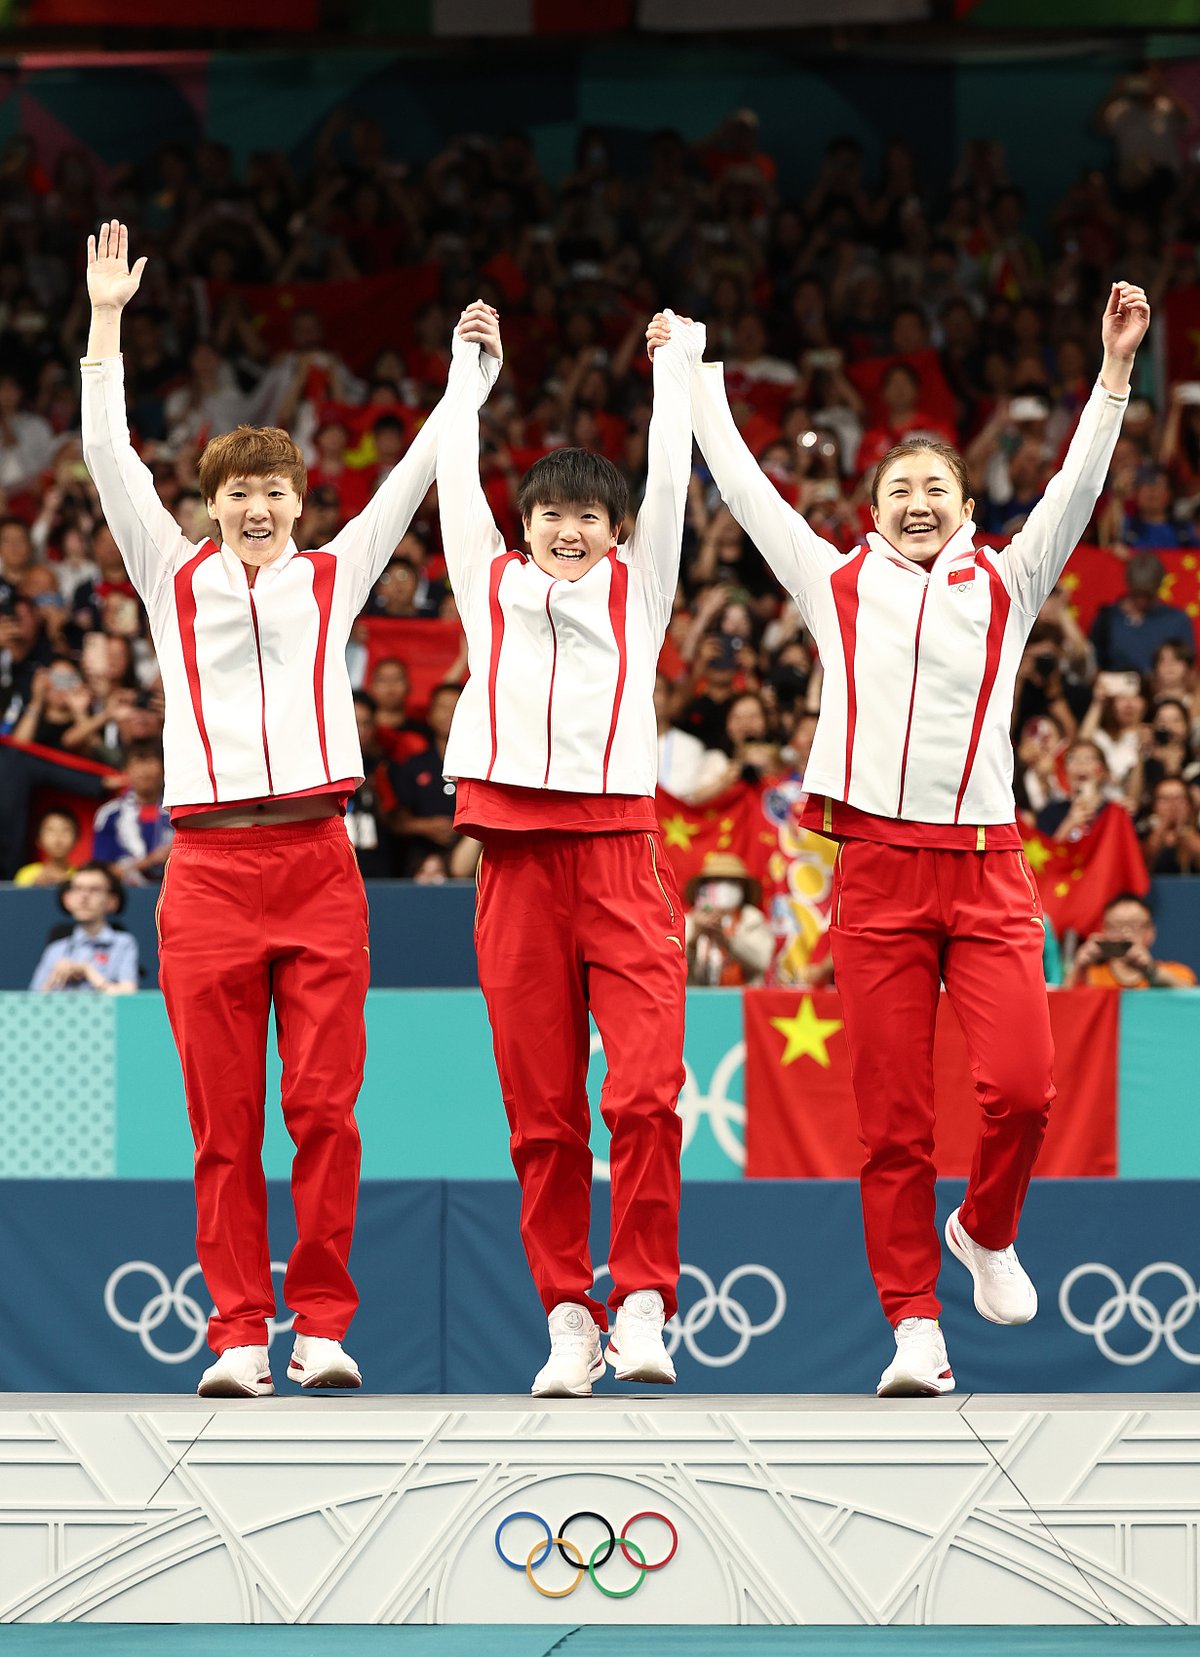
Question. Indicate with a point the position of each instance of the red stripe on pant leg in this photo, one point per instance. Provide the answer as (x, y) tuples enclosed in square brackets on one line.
[(995, 979), (636, 974), (324, 575), (525, 936), (886, 946), (316, 923), (216, 986)]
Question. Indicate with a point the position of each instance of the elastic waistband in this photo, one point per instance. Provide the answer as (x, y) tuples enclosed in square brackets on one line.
[(259, 836)]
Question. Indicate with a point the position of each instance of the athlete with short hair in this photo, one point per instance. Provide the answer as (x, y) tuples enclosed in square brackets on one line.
[(921, 634), (262, 903), (555, 748)]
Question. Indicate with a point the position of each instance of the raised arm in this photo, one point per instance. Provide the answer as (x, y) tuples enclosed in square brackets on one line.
[(799, 558), (470, 538), (1035, 558), (370, 539), (146, 533), (677, 346)]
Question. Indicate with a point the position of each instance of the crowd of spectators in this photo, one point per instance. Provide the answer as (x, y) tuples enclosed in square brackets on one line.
[(874, 305)]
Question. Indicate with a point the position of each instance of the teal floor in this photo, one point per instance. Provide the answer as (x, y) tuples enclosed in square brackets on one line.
[(221, 1640)]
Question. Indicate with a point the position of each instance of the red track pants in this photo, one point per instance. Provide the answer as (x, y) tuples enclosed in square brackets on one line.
[(251, 916), (568, 923), (903, 918)]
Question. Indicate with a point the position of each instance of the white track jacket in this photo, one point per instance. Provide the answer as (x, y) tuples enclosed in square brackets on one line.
[(561, 693), (258, 699), (920, 663)]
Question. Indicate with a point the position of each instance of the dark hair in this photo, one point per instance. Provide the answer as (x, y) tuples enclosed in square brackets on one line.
[(1130, 897), (364, 699), (145, 748), (572, 477), (94, 867), (58, 811), (447, 685), (922, 445), (251, 452), (1181, 648)]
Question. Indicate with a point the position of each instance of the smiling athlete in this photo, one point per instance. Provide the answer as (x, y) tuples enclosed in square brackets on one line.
[(554, 744), (262, 902), (921, 635)]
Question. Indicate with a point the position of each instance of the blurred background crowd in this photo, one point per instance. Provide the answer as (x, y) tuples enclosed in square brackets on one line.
[(881, 300)]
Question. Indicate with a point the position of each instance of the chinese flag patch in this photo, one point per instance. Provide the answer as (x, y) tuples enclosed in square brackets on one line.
[(956, 578)]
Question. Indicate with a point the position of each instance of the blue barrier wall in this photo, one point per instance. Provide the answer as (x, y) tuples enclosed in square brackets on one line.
[(100, 1290), (421, 935)]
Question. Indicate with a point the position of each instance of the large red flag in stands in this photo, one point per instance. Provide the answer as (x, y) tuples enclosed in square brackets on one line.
[(365, 316), (1096, 577), (1076, 878), (801, 1121), (731, 822), (428, 649)]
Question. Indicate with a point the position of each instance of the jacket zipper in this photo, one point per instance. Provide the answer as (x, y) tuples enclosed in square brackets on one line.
[(550, 696), (262, 685), (658, 879), (912, 701)]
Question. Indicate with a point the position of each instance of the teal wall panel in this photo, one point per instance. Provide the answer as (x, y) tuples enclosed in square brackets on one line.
[(1158, 1085), (430, 1106)]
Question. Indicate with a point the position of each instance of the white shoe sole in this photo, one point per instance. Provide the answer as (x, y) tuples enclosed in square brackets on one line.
[(225, 1386), (334, 1375), (902, 1383), (960, 1253), (560, 1389), (659, 1372)]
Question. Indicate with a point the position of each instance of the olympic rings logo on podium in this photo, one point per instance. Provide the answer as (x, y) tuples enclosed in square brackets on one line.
[(1161, 1327), (540, 1552), (171, 1298)]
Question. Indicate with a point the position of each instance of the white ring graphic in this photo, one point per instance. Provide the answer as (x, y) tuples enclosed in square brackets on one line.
[(726, 1116), (1161, 1327), (172, 1298), (719, 1302)]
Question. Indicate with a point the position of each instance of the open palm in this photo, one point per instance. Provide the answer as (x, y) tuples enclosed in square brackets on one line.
[(110, 281)]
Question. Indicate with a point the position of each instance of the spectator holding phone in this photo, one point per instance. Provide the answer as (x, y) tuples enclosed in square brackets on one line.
[(1170, 842), (1115, 723), (1120, 956), (1128, 633), (1087, 794)]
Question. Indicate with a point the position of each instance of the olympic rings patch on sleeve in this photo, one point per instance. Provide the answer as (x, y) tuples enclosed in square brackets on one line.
[(599, 1557)]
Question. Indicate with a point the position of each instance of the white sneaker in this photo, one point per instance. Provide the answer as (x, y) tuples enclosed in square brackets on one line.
[(317, 1362), (920, 1368), (635, 1347), (240, 1372), (1003, 1291), (574, 1361)]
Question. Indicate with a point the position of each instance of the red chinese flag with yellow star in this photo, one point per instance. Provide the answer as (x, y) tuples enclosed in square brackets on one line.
[(1076, 878), (729, 823), (801, 1121)]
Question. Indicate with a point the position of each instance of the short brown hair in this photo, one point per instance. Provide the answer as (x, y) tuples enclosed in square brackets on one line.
[(251, 452), (922, 445)]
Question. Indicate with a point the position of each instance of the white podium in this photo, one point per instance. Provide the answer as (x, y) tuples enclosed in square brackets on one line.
[(734, 1510)]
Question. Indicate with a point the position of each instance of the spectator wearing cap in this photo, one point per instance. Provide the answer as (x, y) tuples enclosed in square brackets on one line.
[(1127, 634), (133, 832), (729, 940), (93, 954), (1121, 955)]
